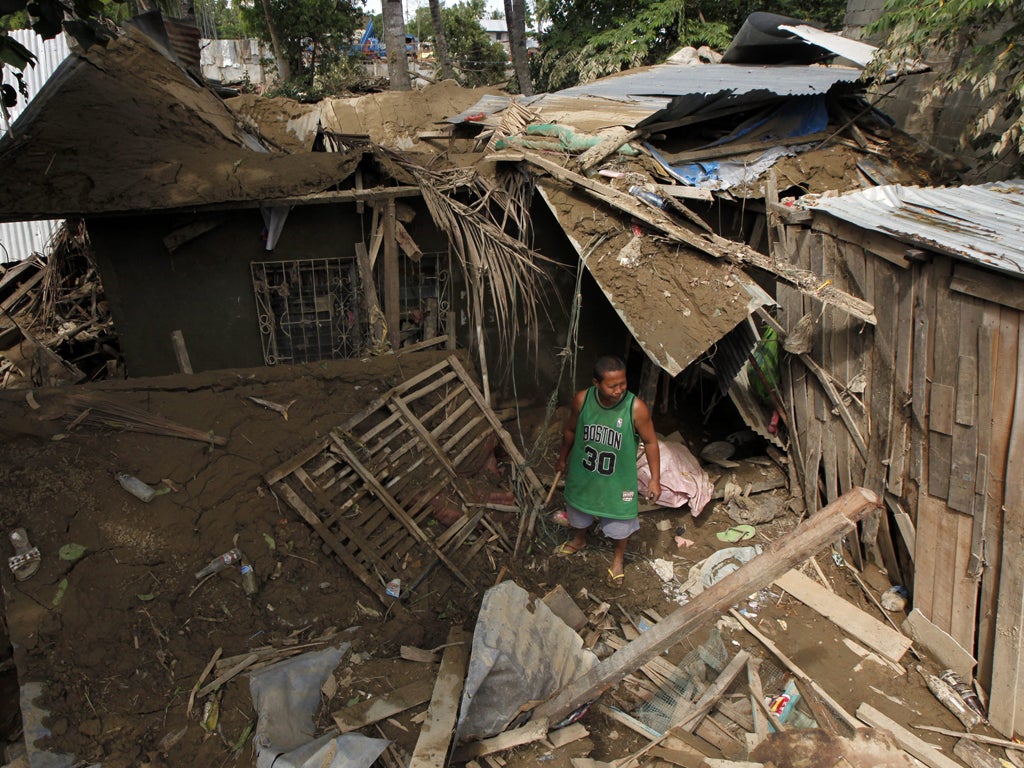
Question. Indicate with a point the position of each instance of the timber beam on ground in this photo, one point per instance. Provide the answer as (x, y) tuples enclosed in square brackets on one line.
[(816, 532)]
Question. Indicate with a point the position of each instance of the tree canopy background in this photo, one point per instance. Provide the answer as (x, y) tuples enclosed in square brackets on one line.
[(981, 39), (589, 39)]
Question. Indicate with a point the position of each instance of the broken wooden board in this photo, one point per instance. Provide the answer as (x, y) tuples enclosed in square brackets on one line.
[(535, 730), (848, 617), (565, 608), (714, 245), (378, 708), (816, 532), (431, 749), (947, 650), (927, 753), (568, 735)]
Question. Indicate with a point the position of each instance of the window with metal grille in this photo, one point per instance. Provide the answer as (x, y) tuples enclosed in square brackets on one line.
[(314, 309)]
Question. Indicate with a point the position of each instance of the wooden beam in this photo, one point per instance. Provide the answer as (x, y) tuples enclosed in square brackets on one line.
[(848, 617), (927, 753), (392, 285), (377, 708), (181, 352), (708, 242), (535, 730), (431, 749), (818, 531)]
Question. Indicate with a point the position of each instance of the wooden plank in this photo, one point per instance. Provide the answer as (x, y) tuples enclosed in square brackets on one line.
[(986, 285), (181, 352), (986, 378), (535, 730), (877, 243), (848, 617), (964, 452), (392, 287), (431, 749), (920, 368), (884, 283), (966, 386), (336, 546), (903, 339), (1006, 698), (568, 735), (383, 706), (941, 409), (927, 753), (388, 500), (963, 587), (814, 533), (941, 644), (1003, 384), (975, 756)]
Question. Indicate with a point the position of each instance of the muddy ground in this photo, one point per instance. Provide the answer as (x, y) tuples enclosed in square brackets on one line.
[(119, 636)]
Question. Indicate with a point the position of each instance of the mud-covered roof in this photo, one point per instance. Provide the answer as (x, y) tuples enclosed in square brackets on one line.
[(123, 129)]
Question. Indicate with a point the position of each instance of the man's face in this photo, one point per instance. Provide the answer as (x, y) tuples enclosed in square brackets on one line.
[(611, 388)]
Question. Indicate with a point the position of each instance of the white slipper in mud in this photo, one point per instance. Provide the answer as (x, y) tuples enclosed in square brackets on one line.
[(26, 558)]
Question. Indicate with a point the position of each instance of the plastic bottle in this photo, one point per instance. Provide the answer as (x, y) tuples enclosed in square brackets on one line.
[(135, 487), (963, 690), (649, 197), (248, 578), (230, 557)]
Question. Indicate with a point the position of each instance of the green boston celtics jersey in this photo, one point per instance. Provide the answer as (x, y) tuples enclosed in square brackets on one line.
[(601, 471)]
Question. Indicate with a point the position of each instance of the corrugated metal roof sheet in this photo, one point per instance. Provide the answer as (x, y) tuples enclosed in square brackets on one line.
[(668, 92), (982, 224), (20, 239)]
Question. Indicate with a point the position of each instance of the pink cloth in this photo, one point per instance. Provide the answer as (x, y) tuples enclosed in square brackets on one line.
[(683, 480)]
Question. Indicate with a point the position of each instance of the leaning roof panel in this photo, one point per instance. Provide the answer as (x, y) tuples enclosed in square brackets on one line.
[(981, 224)]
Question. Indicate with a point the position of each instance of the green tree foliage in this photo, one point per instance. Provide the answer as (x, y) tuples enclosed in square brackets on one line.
[(982, 39), (589, 39), (477, 61), (315, 34), (84, 20), (219, 19)]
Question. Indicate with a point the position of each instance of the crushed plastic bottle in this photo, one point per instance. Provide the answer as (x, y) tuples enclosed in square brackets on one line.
[(230, 557), (136, 487), (249, 584), (653, 198)]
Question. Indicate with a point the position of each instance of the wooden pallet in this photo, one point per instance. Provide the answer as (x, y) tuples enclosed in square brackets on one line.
[(368, 488)]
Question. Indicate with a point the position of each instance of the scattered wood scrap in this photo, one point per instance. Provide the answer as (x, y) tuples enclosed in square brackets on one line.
[(848, 617), (833, 521), (927, 753), (378, 708), (435, 738)]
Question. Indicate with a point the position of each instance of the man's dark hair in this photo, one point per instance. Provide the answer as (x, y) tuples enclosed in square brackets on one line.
[(607, 364)]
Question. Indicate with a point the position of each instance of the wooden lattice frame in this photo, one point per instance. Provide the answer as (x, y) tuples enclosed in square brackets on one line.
[(367, 488)]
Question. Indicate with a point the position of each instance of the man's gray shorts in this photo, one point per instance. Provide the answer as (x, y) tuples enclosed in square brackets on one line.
[(613, 529)]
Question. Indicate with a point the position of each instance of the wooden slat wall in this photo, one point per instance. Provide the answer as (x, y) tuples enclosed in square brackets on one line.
[(945, 437)]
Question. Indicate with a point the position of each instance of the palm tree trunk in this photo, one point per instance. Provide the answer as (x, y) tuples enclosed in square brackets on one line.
[(440, 41), (515, 20), (283, 70), (394, 38)]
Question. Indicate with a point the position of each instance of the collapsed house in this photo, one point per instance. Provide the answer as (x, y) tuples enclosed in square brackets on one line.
[(925, 406), (217, 251)]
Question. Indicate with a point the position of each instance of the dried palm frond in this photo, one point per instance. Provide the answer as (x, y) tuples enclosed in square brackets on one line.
[(514, 119), (500, 270)]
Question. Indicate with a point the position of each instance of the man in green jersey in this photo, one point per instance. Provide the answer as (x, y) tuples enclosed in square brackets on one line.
[(599, 452)]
